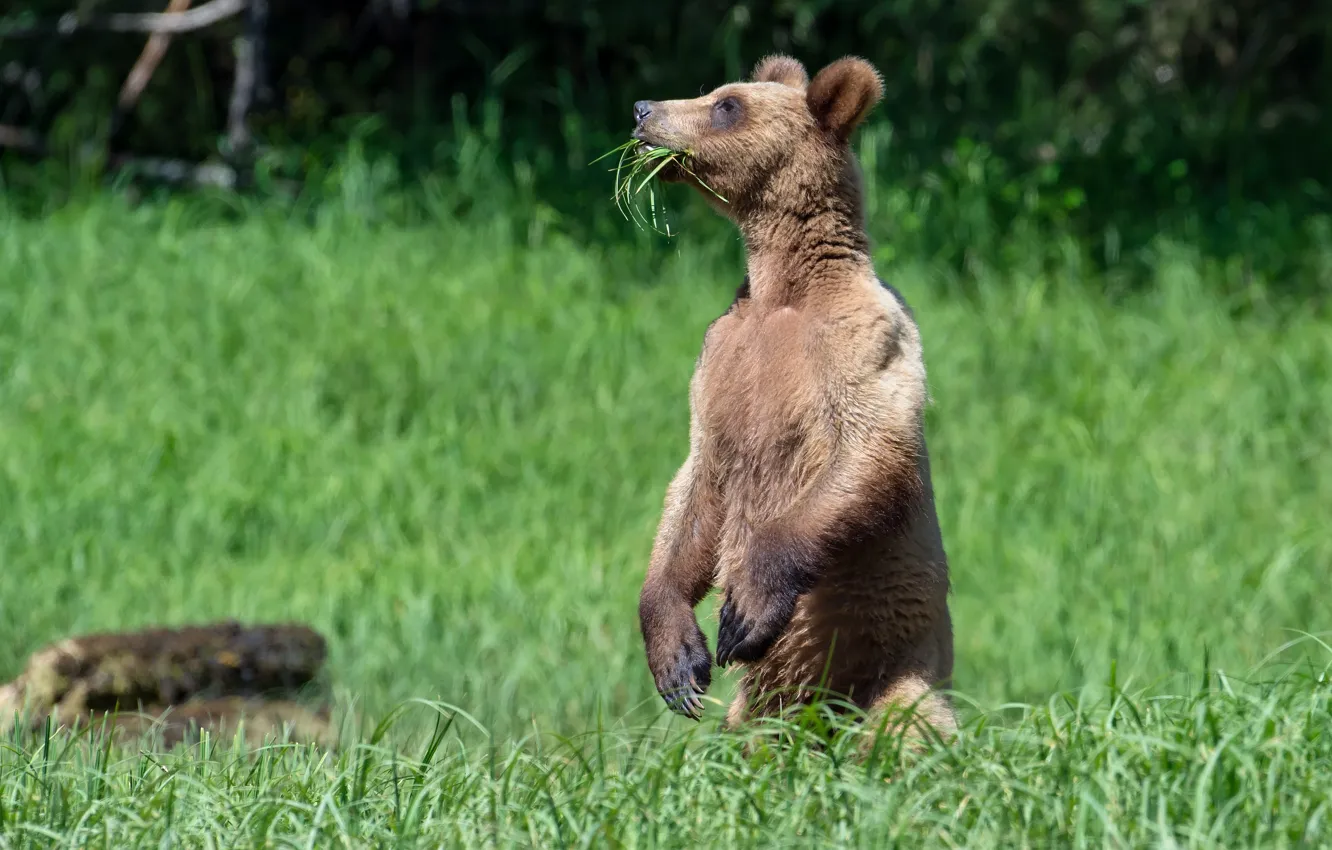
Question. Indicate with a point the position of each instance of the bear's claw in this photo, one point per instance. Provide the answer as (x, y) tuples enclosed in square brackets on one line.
[(688, 680), (744, 640)]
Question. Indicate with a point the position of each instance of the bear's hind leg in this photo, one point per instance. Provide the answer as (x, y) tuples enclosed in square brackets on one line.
[(905, 706), (739, 710)]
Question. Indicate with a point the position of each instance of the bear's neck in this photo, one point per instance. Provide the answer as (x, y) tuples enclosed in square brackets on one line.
[(805, 242)]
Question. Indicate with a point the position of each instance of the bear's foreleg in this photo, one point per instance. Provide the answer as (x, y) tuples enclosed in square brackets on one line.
[(684, 560)]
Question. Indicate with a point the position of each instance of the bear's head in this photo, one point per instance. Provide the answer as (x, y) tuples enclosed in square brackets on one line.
[(777, 139)]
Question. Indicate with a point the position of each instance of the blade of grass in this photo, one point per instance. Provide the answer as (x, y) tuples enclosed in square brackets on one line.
[(636, 170)]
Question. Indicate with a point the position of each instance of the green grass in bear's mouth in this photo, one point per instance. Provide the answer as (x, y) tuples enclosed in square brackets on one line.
[(634, 171)]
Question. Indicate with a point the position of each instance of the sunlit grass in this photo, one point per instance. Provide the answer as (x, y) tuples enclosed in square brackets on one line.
[(1228, 764), (446, 447)]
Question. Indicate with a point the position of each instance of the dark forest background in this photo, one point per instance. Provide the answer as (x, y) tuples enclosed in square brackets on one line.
[(1105, 122)]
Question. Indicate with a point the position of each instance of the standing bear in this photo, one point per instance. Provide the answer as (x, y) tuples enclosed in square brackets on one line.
[(806, 493)]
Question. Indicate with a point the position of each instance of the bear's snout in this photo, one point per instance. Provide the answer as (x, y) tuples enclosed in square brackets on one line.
[(642, 111)]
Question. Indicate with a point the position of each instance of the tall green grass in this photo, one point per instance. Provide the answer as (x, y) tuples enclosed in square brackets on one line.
[(1228, 766), (445, 446)]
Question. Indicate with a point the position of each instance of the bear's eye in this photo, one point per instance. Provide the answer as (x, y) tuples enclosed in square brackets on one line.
[(725, 112)]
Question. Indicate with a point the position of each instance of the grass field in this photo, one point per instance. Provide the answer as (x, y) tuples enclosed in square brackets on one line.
[(445, 446)]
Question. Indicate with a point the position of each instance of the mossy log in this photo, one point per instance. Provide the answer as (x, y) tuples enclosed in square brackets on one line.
[(80, 679)]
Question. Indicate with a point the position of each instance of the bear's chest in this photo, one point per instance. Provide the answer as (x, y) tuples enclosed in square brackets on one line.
[(764, 379)]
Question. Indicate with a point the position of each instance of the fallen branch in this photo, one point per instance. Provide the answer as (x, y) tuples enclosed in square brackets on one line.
[(167, 170), (178, 171), (155, 22)]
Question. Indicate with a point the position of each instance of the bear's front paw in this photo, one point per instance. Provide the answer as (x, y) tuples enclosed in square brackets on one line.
[(747, 637), (759, 607), (684, 678)]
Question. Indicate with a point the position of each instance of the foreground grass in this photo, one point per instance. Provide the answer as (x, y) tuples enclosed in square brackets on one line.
[(445, 448), (1231, 765)]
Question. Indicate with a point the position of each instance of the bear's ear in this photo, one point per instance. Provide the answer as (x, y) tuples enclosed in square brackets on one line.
[(781, 69), (842, 94)]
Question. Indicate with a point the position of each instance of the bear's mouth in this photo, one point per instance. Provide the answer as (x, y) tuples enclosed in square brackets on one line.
[(645, 144), (673, 171), (649, 141), (642, 159)]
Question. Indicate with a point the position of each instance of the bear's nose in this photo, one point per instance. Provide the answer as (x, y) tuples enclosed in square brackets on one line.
[(642, 110)]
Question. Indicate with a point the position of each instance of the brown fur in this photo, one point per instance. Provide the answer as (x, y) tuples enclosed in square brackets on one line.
[(806, 493)]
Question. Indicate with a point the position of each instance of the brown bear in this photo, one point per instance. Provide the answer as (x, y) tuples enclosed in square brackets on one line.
[(806, 493)]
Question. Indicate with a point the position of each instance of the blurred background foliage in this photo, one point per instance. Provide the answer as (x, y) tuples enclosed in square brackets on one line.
[(1084, 127)]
